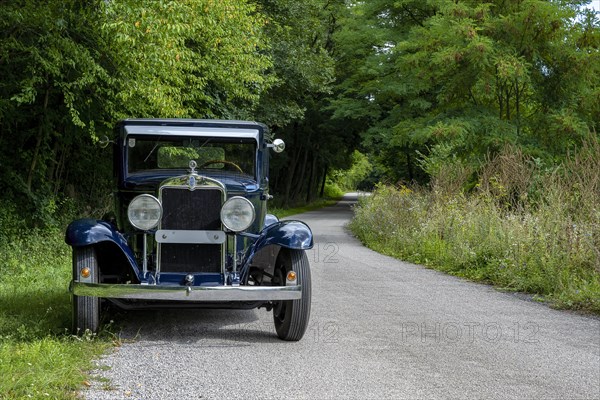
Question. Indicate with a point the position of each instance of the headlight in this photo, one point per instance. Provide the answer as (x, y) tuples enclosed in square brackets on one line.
[(237, 214), (144, 212)]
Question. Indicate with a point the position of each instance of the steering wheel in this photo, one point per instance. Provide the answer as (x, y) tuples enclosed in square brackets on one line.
[(209, 162)]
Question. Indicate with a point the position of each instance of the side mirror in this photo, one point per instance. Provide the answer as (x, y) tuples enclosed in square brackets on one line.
[(278, 145), (104, 141)]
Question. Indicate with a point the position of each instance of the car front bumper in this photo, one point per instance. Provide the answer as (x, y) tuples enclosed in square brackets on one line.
[(186, 293)]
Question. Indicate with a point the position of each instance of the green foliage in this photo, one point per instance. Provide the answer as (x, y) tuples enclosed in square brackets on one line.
[(352, 178), (513, 231), (193, 58), (302, 65), (38, 356), (70, 70), (468, 76), (55, 92), (303, 50), (332, 190)]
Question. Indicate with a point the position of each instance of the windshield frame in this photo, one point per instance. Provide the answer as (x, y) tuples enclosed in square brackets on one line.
[(204, 140)]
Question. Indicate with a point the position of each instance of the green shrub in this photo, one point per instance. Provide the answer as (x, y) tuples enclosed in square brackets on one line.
[(332, 190), (497, 234), (351, 179)]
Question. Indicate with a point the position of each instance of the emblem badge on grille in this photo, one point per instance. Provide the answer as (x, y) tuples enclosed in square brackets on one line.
[(192, 182)]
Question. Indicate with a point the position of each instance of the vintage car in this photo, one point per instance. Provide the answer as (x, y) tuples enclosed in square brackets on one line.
[(190, 227)]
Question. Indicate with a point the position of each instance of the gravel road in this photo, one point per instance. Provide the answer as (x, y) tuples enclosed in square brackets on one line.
[(380, 328)]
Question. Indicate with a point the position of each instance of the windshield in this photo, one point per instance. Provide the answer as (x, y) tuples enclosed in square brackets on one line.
[(232, 156)]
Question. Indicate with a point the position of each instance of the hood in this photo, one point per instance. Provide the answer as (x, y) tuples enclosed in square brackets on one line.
[(149, 181)]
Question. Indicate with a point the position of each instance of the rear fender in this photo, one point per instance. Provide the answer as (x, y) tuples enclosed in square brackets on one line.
[(89, 232)]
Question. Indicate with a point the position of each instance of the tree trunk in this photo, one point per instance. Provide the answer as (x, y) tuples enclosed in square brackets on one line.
[(60, 169), (324, 180), (499, 91), (409, 166), (302, 173), (52, 169), (311, 182), (38, 144), (518, 109), (507, 105), (291, 170)]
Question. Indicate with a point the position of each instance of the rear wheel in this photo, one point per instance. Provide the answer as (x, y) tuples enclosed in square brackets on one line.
[(86, 310), (291, 316)]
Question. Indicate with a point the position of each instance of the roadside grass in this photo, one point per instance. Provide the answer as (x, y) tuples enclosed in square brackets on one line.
[(542, 239), (39, 358)]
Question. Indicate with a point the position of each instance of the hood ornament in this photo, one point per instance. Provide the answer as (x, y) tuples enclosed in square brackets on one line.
[(192, 178), (193, 166)]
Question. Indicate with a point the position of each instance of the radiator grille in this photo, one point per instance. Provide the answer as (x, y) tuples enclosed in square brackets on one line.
[(191, 210), (187, 210)]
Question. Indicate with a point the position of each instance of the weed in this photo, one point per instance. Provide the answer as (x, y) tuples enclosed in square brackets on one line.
[(524, 229)]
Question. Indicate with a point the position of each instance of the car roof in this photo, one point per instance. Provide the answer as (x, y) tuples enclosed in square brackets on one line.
[(193, 127)]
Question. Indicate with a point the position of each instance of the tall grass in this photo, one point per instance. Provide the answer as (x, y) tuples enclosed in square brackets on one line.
[(38, 356), (522, 228)]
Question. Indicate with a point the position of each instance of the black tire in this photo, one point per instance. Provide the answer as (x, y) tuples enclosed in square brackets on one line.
[(291, 316), (86, 310)]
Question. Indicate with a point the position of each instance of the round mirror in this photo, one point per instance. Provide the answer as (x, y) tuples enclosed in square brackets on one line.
[(278, 145), (104, 141)]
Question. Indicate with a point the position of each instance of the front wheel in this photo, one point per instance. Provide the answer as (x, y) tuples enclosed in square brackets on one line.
[(86, 310), (291, 316)]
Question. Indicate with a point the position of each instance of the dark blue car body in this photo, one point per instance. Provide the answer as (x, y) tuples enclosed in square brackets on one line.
[(190, 257)]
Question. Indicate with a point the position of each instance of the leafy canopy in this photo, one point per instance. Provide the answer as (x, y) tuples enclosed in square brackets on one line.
[(468, 76)]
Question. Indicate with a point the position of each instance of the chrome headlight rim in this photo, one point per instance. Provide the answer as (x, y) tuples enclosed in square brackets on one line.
[(226, 220), (136, 224)]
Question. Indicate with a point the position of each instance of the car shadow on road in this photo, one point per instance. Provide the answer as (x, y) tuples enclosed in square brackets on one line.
[(203, 327)]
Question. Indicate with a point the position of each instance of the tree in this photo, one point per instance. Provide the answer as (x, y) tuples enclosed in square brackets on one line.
[(55, 89), (302, 47), (189, 58), (71, 69), (469, 76), (371, 91)]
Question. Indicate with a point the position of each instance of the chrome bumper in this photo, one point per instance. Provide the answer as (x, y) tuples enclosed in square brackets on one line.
[(187, 293)]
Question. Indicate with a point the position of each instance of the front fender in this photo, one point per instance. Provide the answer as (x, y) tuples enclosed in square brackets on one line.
[(288, 234), (87, 232), (270, 219)]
